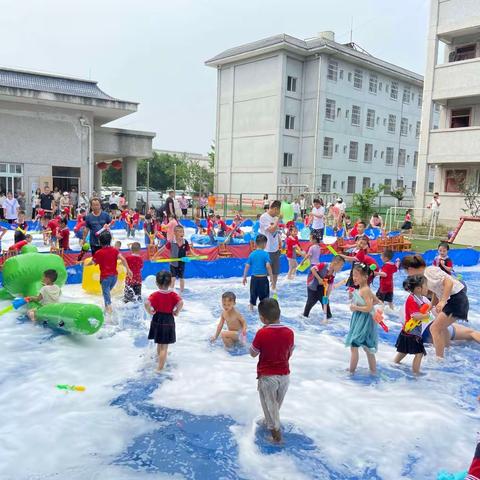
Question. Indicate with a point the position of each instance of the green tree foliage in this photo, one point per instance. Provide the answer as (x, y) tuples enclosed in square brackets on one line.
[(398, 193), (365, 202), (190, 176)]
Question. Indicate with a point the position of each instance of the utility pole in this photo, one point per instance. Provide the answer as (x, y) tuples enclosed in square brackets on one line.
[(148, 185), (175, 177)]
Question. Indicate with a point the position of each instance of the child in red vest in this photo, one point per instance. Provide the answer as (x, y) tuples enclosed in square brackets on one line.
[(133, 285), (63, 234), (389, 268)]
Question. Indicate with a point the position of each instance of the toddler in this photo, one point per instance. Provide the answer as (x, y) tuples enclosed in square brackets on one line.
[(236, 325)]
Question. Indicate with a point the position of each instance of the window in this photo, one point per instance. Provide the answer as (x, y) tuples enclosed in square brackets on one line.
[(399, 183), (392, 123), (466, 52), (355, 115), (349, 76), (370, 118), (326, 183), (339, 111), (328, 147), (415, 159), (368, 153), (420, 99), (454, 179), (340, 75), (373, 83), (330, 108), (402, 153), (347, 113), (460, 118), (358, 78), (289, 122), (380, 86), (414, 187), (406, 95), (394, 91), (431, 186), (334, 184), (353, 151), (365, 183), (387, 183), (336, 148), (291, 84), (344, 149), (287, 159), (351, 181), (417, 130), (389, 156), (332, 70), (65, 177), (404, 127)]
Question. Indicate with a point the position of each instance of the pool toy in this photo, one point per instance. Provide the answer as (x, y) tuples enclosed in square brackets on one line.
[(85, 249), (286, 211), (16, 304), (91, 278), (444, 475), (332, 250), (412, 323), (372, 267), (378, 317), (181, 259), (73, 388), (304, 265)]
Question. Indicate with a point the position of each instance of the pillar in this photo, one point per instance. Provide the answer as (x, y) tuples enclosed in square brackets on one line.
[(97, 179), (129, 180)]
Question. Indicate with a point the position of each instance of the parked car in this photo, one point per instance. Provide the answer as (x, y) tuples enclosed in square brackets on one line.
[(154, 197)]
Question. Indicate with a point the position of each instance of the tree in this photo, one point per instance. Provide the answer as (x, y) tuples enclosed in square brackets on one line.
[(211, 156), (365, 202), (471, 198), (399, 194)]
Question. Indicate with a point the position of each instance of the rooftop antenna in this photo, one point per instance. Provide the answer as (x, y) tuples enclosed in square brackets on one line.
[(351, 31)]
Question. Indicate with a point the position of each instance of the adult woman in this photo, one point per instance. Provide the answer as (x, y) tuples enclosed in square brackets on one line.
[(203, 205), (452, 299), (183, 203), (56, 195), (35, 202), (65, 206), (11, 208)]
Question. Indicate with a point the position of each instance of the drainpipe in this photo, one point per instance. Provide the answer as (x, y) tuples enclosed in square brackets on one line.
[(84, 123), (315, 143)]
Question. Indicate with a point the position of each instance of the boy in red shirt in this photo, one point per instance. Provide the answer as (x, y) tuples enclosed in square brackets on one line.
[(19, 245), (133, 285), (385, 290), (52, 227), (106, 259), (63, 235), (79, 226), (274, 343), (292, 249), (211, 228), (222, 226)]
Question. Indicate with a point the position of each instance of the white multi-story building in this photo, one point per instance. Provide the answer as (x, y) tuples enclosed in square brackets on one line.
[(316, 114), (452, 80)]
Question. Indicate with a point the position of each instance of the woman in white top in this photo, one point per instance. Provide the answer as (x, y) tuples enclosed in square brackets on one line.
[(452, 299), (10, 208), (318, 214)]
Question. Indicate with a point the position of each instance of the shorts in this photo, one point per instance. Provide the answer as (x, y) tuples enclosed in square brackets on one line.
[(385, 296), (427, 336), (259, 289), (457, 306), (178, 271), (406, 226), (275, 262), (317, 232), (184, 211)]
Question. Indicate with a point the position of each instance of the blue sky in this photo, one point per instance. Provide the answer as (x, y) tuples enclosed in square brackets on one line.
[(153, 51)]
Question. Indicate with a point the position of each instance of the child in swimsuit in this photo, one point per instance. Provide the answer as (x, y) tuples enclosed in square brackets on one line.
[(236, 324)]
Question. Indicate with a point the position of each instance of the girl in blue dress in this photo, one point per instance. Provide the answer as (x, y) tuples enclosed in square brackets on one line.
[(363, 329)]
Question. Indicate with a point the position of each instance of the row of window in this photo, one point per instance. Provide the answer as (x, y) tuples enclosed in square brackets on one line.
[(334, 74), (327, 186)]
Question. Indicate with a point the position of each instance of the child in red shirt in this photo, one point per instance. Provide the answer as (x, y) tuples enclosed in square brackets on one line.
[(133, 285), (79, 226), (106, 258), (211, 228), (52, 227), (274, 343), (360, 256), (442, 260), (293, 249), (63, 235), (19, 245), (385, 290), (164, 305)]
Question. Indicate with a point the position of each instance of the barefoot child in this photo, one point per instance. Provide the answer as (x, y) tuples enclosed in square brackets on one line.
[(363, 329), (442, 260), (49, 293), (63, 234), (236, 325), (164, 305), (389, 268), (320, 273), (274, 343), (133, 284), (106, 258), (261, 269), (411, 342), (293, 249)]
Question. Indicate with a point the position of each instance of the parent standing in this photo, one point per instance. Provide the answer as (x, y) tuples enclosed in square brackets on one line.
[(318, 216), (46, 200), (11, 208), (452, 298), (95, 221), (170, 205), (269, 227)]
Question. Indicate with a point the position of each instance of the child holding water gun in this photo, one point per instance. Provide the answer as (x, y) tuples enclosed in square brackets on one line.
[(360, 256), (389, 268), (313, 252), (49, 293), (409, 341), (164, 305), (442, 260), (133, 285), (321, 275), (236, 324), (293, 249), (149, 228), (363, 329)]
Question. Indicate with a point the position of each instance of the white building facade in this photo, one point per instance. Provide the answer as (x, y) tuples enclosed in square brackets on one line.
[(316, 114), (452, 80)]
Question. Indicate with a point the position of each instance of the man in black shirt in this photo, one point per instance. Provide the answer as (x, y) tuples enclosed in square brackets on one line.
[(170, 205), (46, 199)]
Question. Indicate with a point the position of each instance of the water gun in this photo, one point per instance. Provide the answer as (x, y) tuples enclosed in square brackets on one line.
[(378, 317), (103, 229), (304, 265), (325, 288), (182, 259), (72, 388), (412, 323), (16, 304), (85, 249), (332, 250)]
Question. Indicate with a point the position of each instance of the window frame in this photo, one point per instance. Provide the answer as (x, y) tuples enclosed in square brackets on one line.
[(292, 83), (287, 159), (368, 153), (289, 122), (355, 115), (330, 107), (358, 79), (369, 115), (349, 184), (332, 68), (353, 149), (373, 82), (394, 91), (329, 146), (392, 120)]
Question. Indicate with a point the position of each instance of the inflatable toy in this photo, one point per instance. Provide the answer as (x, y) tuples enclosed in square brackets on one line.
[(73, 388), (91, 278), (182, 259), (286, 211), (29, 249)]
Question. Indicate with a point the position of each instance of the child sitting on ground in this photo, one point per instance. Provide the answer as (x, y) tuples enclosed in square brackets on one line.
[(259, 263), (274, 343), (321, 274), (49, 293), (411, 342), (236, 325), (164, 305), (133, 284), (293, 249), (106, 258), (385, 290), (16, 247), (442, 260)]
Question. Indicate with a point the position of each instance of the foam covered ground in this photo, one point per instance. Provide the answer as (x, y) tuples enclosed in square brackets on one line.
[(198, 420)]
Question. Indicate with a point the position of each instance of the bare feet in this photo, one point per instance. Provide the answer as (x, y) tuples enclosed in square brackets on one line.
[(276, 436), (31, 315)]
